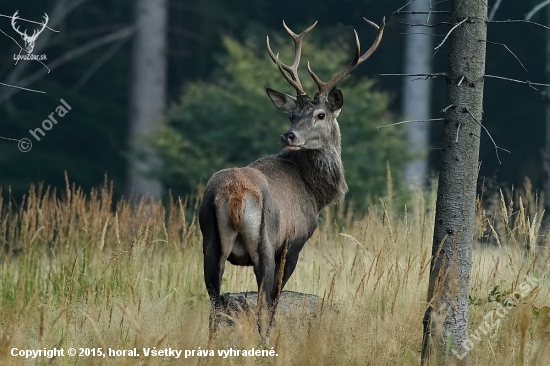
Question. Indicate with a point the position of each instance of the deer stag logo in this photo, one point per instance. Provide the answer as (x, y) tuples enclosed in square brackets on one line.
[(29, 40)]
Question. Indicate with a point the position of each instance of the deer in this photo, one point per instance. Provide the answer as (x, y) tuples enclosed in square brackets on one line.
[(29, 40), (262, 215)]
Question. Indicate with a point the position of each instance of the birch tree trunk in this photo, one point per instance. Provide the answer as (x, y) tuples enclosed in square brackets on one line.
[(417, 93), (148, 93), (446, 318)]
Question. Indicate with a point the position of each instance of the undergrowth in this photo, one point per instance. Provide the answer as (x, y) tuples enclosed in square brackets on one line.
[(83, 271)]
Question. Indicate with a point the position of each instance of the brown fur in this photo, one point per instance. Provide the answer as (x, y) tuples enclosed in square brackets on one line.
[(234, 191)]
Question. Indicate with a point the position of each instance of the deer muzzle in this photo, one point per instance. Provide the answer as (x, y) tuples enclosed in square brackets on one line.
[(291, 141)]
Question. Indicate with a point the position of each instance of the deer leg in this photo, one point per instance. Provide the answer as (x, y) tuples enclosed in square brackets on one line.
[(214, 265), (264, 270), (281, 278), (290, 266)]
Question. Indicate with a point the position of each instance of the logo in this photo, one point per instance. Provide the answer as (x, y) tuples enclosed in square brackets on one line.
[(29, 40)]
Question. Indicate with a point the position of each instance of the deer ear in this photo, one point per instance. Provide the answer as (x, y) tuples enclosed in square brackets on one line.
[(335, 99), (283, 102)]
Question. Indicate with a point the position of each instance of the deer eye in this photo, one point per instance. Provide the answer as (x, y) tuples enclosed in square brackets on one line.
[(321, 116)]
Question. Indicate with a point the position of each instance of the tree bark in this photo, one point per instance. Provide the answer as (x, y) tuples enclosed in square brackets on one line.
[(446, 318), (148, 94), (546, 158), (417, 94)]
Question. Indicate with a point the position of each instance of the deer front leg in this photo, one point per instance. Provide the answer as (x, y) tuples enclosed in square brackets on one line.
[(285, 266)]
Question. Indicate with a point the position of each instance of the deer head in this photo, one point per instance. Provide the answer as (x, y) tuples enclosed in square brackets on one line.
[(314, 125), (29, 40)]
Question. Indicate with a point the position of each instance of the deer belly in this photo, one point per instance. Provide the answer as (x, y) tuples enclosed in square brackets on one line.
[(239, 256)]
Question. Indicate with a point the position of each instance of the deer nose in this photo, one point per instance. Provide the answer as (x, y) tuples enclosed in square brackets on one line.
[(288, 138)]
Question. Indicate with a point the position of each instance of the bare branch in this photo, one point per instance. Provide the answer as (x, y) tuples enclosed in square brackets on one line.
[(109, 38), (7, 138), (20, 87), (444, 110), (428, 76), (30, 21), (60, 11), (412, 121), (98, 63), (421, 12), (527, 82), (536, 9), (425, 25), (494, 9), (449, 33), (425, 34), (517, 21), (403, 7), (509, 50), (497, 148)]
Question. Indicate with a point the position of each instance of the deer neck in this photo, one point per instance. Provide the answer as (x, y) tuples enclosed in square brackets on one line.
[(322, 171)]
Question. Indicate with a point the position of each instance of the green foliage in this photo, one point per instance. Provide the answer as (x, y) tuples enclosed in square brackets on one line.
[(229, 120)]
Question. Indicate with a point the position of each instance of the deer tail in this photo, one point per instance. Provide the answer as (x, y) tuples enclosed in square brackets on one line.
[(235, 210)]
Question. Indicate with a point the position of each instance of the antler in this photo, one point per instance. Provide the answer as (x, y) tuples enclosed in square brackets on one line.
[(37, 32), (324, 87), (13, 18), (290, 73)]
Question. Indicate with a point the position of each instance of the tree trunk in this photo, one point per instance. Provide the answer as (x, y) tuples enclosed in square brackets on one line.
[(417, 94), (446, 319), (546, 158), (148, 94)]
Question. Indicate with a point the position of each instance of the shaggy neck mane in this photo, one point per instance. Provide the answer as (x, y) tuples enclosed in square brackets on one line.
[(322, 172)]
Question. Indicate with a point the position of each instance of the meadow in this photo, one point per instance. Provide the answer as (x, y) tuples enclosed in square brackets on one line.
[(78, 270)]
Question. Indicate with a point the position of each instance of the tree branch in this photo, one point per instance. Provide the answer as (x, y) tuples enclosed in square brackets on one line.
[(536, 9), (517, 21), (403, 7), (426, 25), (421, 12), (494, 9), (22, 88), (527, 82), (411, 121), (30, 21), (487, 131), (509, 50), (121, 34), (449, 33), (427, 76)]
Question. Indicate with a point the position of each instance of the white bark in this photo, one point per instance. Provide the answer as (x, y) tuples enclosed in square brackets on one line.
[(417, 93), (148, 93)]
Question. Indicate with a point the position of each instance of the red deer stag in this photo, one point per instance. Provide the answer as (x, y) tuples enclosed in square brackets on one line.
[(262, 215)]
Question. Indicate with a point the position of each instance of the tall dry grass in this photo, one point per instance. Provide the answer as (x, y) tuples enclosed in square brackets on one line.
[(83, 271)]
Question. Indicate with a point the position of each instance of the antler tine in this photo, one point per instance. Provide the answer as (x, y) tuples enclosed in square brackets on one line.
[(290, 73), (13, 18), (46, 19), (357, 60), (376, 41)]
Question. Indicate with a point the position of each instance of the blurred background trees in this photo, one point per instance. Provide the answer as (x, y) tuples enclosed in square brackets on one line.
[(217, 113)]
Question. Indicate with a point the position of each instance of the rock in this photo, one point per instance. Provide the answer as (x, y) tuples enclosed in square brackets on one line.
[(290, 302)]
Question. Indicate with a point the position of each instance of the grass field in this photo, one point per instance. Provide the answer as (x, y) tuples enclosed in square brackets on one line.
[(85, 272)]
